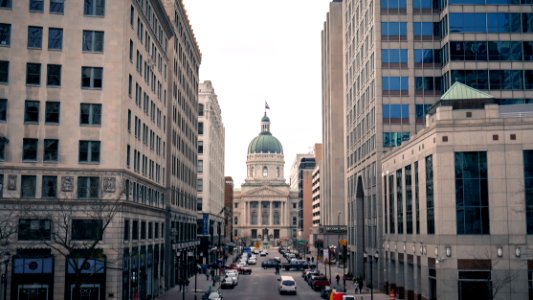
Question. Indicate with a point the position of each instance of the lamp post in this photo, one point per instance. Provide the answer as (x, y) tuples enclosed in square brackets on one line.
[(371, 258), (5, 261)]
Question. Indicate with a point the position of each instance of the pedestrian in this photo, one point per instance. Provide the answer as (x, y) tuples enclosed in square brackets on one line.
[(180, 283), (356, 284), (361, 285), (338, 277), (186, 284), (312, 259)]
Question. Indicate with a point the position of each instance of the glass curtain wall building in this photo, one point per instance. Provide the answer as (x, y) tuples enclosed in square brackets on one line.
[(400, 56)]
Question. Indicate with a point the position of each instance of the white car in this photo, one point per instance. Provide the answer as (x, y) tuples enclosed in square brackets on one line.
[(252, 261), (263, 253), (227, 282), (287, 285), (234, 275)]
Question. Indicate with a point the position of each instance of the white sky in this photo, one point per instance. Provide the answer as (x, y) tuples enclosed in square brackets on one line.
[(262, 50)]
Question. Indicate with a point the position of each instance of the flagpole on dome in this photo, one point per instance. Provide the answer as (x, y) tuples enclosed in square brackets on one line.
[(266, 107)]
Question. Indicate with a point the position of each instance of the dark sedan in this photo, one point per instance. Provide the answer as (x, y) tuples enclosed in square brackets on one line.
[(270, 263)]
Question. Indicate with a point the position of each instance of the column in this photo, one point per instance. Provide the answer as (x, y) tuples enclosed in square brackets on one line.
[(270, 217)]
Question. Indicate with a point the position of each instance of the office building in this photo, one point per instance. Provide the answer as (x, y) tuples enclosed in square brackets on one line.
[(85, 155)]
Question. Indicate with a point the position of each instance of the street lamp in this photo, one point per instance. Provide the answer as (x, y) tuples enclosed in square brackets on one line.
[(371, 259)]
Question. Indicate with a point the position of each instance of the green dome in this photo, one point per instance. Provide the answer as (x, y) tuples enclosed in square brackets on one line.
[(265, 143), (265, 119)]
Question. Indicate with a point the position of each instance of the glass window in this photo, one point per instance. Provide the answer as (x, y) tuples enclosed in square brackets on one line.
[(428, 84), (503, 22), (426, 4), (89, 151), (393, 29), (5, 3), (53, 75), (393, 4), (51, 150), (528, 189), (395, 83), (49, 187), (34, 229), (527, 22), (94, 7), (88, 187), (5, 34), (396, 113), (394, 139), (425, 30), (27, 186), (33, 73), (132, 15), (430, 204), (29, 149), (399, 201), (421, 110), (471, 193), (31, 111), (52, 112), (55, 38), (90, 114), (35, 37), (394, 56), (126, 230), (83, 229), (36, 5), (506, 80), (3, 109), (528, 80), (93, 41), (4, 71), (91, 77), (57, 6), (468, 22)]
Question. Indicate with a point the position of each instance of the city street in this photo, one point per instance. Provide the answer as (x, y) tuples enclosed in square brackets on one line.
[(262, 285)]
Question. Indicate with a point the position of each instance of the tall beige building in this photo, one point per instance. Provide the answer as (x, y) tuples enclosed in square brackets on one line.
[(210, 181), (90, 93)]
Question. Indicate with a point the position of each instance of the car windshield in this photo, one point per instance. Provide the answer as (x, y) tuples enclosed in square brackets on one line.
[(288, 283)]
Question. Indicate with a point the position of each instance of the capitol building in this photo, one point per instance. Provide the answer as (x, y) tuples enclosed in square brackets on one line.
[(265, 209)]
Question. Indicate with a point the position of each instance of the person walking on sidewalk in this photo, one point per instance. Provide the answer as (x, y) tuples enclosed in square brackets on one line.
[(338, 278)]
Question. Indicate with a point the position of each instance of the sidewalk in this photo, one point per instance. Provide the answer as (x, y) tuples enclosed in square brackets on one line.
[(202, 286)]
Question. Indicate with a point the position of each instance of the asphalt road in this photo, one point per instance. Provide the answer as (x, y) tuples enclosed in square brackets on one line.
[(263, 284)]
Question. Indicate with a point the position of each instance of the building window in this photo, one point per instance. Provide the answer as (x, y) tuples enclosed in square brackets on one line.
[(87, 230), (475, 284), (5, 3), (90, 114), (36, 5), (528, 187), (35, 37), (126, 229), (471, 193), (200, 147), (27, 186), (430, 203), (143, 230), (276, 233), (426, 30), (131, 51), (275, 218), (89, 151), (294, 221), (200, 166), (29, 149), (51, 150), (1, 182), (393, 4), (49, 187), (52, 112), (31, 111), (254, 233), (88, 187), (132, 15), (396, 113), (135, 230), (408, 200), (5, 34), (395, 85), (94, 7), (34, 229), (253, 219), (427, 57), (393, 30), (399, 201), (53, 75), (394, 57), (93, 41), (417, 200), (199, 185), (57, 6), (235, 221), (4, 71), (265, 172), (55, 39), (3, 109), (394, 139), (91, 77), (421, 111), (200, 128), (33, 73)]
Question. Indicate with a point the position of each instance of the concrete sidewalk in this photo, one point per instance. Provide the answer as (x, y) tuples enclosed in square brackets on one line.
[(202, 286)]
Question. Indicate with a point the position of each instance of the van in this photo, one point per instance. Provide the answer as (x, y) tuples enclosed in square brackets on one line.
[(287, 285)]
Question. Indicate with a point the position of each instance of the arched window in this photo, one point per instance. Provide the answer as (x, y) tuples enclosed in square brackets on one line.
[(265, 171), (236, 221)]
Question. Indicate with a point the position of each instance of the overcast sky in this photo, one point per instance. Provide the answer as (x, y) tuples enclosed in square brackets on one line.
[(262, 50)]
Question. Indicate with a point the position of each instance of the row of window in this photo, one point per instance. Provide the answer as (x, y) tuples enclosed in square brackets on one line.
[(41, 229), (88, 187), (135, 230), (92, 41), (90, 113), (421, 30), (437, 4), (490, 50), (88, 151), (91, 77), (490, 22), (90, 7)]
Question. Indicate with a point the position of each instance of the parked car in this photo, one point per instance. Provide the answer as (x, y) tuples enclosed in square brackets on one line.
[(263, 253), (245, 270), (252, 261), (269, 263), (287, 285), (319, 282), (234, 275), (325, 292), (227, 282), (348, 297), (212, 296), (308, 276)]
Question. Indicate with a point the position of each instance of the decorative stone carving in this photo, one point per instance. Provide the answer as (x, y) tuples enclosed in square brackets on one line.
[(12, 182), (67, 183), (110, 184)]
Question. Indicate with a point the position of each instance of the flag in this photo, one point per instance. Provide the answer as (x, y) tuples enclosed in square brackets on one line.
[(266, 105)]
